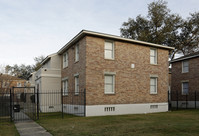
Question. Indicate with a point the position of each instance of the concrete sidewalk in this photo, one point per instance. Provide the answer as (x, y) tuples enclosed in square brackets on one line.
[(31, 128)]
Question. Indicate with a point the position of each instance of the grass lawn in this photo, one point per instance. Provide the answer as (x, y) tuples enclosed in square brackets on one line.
[(175, 123), (8, 129)]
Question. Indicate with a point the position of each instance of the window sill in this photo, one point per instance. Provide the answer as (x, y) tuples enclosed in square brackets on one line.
[(185, 72), (109, 93), (76, 61), (109, 59), (76, 94), (153, 93), (154, 64), (65, 67), (65, 95)]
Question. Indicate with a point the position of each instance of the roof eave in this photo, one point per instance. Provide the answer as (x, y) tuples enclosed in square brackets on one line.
[(45, 60), (128, 40), (176, 60), (73, 40), (48, 58), (86, 32)]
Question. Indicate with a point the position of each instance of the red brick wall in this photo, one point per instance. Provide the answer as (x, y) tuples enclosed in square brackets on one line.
[(74, 68), (131, 85), (192, 76)]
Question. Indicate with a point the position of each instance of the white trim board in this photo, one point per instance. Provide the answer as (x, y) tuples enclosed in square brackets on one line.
[(121, 109), (50, 75), (73, 109)]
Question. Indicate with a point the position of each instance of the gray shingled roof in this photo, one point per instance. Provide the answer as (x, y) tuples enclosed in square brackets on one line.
[(189, 56)]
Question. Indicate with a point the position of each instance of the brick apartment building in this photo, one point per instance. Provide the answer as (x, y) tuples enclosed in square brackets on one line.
[(8, 81), (120, 75), (185, 80)]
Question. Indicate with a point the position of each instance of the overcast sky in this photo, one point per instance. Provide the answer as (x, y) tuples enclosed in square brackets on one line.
[(29, 28)]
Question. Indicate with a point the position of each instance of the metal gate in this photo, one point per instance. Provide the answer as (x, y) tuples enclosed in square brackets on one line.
[(23, 103)]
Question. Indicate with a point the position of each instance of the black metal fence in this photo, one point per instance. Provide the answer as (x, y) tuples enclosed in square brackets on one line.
[(5, 105), (23, 103), (75, 103), (49, 103), (177, 100), (26, 103), (58, 103)]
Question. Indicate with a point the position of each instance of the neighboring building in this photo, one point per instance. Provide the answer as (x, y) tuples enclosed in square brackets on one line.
[(120, 75), (169, 79), (31, 79), (185, 80), (8, 81), (47, 81)]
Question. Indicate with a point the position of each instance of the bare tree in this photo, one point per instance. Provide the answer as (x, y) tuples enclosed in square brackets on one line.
[(2, 68)]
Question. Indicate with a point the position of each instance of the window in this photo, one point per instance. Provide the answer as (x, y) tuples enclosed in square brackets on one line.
[(76, 85), (109, 50), (153, 85), (77, 52), (18, 84), (185, 66), (65, 60), (153, 56), (109, 84), (65, 87), (5, 85), (185, 88)]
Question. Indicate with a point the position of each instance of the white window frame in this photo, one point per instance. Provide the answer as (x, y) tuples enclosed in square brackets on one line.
[(113, 84), (65, 60), (77, 52), (155, 57), (183, 88), (113, 50), (156, 85), (76, 84), (65, 87), (183, 66), (18, 84)]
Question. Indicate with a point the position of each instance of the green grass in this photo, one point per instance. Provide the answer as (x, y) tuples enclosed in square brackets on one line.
[(8, 129), (176, 123)]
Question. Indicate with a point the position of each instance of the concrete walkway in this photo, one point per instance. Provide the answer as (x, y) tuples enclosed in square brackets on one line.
[(31, 128), (20, 116)]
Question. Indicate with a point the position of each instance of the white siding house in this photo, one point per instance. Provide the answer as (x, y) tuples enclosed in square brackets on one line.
[(47, 82)]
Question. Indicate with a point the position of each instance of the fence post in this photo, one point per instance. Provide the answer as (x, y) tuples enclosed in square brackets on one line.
[(62, 108), (13, 95), (195, 99), (177, 99), (37, 104), (34, 107), (168, 100), (84, 102), (186, 101), (10, 105)]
